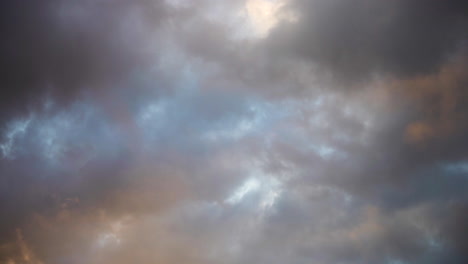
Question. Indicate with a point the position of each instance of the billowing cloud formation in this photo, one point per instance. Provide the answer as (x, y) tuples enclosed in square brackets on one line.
[(257, 131)]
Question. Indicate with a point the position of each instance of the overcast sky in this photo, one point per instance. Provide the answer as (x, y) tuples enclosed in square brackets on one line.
[(234, 132)]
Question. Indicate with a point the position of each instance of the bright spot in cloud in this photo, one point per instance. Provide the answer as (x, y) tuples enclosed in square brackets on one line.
[(265, 14), (249, 186), (271, 193), (112, 237), (267, 187)]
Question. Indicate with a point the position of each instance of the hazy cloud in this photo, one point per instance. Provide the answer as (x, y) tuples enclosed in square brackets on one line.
[(256, 131)]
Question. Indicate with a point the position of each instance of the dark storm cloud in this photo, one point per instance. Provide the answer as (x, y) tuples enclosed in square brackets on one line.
[(354, 40), (59, 48)]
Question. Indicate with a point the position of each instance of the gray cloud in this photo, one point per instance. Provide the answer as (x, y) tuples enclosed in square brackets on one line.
[(170, 131), (357, 40)]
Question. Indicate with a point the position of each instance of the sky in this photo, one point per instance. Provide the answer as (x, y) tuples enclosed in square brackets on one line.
[(233, 132)]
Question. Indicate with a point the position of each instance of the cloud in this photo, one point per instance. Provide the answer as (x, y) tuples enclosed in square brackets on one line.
[(60, 49), (233, 132), (358, 40)]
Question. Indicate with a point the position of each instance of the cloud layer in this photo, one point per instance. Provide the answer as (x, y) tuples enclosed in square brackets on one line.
[(254, 131)]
